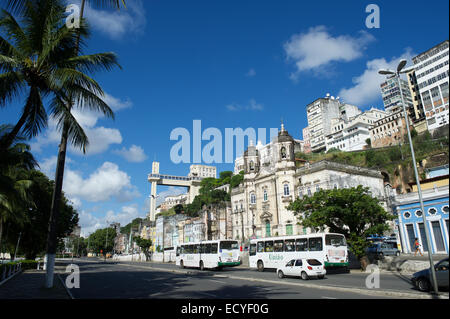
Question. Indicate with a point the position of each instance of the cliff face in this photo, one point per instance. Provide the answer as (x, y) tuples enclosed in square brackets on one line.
[(403, 175)]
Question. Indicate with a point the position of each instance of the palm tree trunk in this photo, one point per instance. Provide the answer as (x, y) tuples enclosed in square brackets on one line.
[(56, 199), (55, 208)]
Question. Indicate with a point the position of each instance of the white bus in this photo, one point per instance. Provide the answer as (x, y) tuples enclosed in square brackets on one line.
[(212, 254), (273, 252)]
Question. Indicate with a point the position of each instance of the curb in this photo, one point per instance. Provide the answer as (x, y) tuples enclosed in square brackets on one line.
[(383, 293), (65, 287)]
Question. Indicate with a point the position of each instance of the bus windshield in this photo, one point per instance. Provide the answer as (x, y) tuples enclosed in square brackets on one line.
[(229, 245), (335, 240)]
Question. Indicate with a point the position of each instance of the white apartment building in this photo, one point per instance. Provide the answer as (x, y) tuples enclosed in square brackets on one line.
[(203, 171), (320, 114), (432, 74), (351, 134)]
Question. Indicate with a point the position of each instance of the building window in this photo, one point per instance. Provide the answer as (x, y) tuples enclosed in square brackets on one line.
[(265, 197), (252, 198), (418, 213), (289, 230), (445, 209), (286, 190), (283, 152), (432, 211), (252, 166), (407, 215), (309, 191)]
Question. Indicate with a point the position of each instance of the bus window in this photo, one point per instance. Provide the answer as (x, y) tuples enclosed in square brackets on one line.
[(301, 244), (252, 250), (315, 244), (178, 251), (207, 248), (268, 247), (289, 245), (278, 246), (260, 247), (182, 249), (214, 247), (335, 240), (229, 245), (202, 248)]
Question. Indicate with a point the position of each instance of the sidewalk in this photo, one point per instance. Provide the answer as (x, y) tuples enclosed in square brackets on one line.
[(29, 285)]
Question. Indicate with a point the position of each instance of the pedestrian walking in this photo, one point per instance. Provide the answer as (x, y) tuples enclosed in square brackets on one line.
[(417, 247)]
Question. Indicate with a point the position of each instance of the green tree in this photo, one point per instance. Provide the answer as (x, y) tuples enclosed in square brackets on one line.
[(353, 212), (102, 240), (14, 195), (133, 225), (34, 227), (145, 245)]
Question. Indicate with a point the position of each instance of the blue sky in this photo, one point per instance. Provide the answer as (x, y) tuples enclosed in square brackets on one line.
[(229, 64)]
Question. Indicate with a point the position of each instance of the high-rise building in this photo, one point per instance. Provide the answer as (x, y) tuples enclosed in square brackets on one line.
[(320, 114), (392, 99), (417, 114), (432, 74)]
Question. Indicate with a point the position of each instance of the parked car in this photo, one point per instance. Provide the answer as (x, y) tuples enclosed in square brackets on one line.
[(422, 279), (381, 249), (303, 268)]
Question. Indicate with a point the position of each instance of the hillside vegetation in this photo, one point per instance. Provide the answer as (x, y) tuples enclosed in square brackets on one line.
[(394, 160)]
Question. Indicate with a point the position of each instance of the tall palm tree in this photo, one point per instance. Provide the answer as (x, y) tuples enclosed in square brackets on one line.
[(65, 105), (70, 86)]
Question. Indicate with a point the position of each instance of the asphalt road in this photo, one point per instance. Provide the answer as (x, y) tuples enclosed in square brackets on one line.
[(111, 280)]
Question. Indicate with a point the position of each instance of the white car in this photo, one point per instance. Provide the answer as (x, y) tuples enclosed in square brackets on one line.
[(304, 268)]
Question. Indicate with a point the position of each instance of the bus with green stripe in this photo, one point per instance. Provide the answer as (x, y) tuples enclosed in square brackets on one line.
[(273, 252)]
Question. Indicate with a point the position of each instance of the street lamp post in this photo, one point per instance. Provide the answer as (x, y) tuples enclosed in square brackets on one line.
[(396, 74)]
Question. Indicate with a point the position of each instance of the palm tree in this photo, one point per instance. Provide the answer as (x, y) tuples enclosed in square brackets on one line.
[(40, 58), (14, 198), (68, 130), (68, 83)]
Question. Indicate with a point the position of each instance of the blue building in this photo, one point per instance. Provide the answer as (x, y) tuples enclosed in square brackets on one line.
[(410, 220)]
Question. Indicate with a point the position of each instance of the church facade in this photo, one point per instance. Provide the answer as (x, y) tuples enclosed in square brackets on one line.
[(272, 180)]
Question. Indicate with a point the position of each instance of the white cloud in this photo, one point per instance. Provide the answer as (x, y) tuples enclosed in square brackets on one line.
[(90, 223), (135, 154), (366, 87), (251, 73), (106, 183), (100, 138), (316, 49), (251, 106), (117, 104), (118, 24)]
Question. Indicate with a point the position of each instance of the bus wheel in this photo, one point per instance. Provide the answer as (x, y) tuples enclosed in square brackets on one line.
[(181, 264), (260, 266), (304, 276), (202, 267)]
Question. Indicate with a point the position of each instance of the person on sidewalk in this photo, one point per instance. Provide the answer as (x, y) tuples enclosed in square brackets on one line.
[(417, 247)]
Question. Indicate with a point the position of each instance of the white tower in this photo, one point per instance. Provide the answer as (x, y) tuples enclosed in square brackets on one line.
[(153, 179)]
